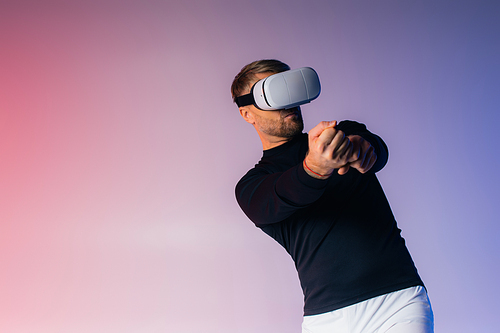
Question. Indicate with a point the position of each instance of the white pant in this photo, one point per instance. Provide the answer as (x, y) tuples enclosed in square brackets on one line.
[(403, 311)]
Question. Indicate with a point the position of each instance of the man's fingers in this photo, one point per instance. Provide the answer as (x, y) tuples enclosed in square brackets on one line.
[(338, 143), (356, 153), (373, 159), (343, 170), (345, 150), (368, 157), (318, 129), (330, 137), (366, 161), (330, 148)]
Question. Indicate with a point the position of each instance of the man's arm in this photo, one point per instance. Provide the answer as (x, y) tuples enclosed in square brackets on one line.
[(268, 198), (272, 197)]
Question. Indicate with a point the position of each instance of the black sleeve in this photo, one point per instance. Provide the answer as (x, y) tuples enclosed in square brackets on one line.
[(350, 127), (272, 197), (268, 197)]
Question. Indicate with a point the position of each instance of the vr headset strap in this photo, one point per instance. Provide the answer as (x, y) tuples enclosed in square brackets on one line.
[(245, 100)]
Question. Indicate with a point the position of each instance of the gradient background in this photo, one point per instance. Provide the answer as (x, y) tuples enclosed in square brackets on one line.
[(120, 148)]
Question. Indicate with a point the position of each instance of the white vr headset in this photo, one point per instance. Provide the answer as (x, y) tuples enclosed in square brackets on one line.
[(284, 90)]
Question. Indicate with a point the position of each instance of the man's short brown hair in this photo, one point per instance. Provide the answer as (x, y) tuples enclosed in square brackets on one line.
[(241, 82)]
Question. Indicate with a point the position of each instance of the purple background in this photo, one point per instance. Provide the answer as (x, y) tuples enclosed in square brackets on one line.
[(120, 148)]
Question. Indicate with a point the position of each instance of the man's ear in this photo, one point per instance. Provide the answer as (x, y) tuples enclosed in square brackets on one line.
[(247, 114)]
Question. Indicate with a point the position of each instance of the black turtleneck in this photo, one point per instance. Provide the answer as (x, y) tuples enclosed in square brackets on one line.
[(340, 232)]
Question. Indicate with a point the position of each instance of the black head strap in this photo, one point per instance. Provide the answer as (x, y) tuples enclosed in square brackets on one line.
[(245, 100)]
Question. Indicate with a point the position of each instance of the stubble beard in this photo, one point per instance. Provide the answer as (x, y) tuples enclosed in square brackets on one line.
[(283, 127)]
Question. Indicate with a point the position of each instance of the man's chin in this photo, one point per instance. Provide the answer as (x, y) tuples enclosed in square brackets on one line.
[(294, 130)]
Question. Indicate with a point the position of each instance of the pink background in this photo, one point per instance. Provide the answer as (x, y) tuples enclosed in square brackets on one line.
[(120, 148)]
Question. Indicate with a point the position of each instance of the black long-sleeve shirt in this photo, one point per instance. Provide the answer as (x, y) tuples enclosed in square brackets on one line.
[(340, 232)]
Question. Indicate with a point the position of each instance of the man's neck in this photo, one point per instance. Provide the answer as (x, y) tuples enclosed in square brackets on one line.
[(269, 142)]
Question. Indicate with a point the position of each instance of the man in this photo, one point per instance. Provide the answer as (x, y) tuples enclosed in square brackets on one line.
[(317, 195)]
